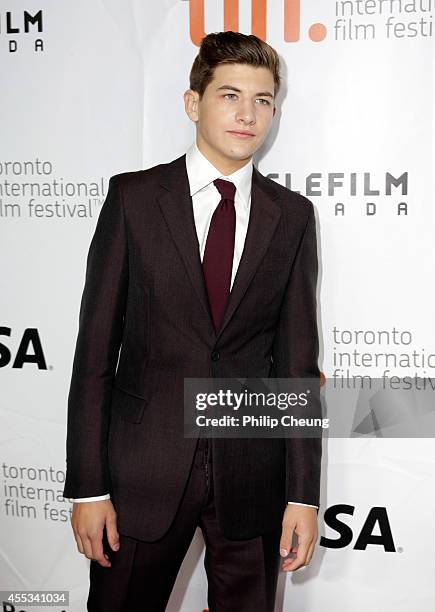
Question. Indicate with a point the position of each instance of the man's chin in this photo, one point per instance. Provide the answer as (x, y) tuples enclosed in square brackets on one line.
[(240, 154)]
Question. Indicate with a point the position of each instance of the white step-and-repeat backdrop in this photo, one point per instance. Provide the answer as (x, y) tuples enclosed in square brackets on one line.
[(91, 89)]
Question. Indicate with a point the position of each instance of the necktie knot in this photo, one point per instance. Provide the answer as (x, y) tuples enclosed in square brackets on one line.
[(227, 189)]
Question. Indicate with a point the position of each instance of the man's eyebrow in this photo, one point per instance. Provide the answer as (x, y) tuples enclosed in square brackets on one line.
[(259, 93)]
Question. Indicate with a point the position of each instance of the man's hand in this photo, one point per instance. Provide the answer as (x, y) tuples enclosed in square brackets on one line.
[(303, 521), (88, 521)]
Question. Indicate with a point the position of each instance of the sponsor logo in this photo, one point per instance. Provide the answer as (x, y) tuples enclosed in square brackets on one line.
[(376, 521), (292, 20), (29, 350), (20, 26)]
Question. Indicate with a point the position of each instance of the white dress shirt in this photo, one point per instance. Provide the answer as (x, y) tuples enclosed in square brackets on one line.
[(205, 198)]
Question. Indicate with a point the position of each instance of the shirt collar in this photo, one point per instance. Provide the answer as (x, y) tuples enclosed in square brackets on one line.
[(201, 173)]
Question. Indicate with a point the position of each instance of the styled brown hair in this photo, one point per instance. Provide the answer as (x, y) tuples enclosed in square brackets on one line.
[(231, 48)]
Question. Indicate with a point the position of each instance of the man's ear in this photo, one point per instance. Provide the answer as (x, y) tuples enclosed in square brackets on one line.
[(191, 104)]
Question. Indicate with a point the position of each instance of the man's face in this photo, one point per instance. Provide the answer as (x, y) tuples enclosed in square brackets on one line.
[(238, 99)]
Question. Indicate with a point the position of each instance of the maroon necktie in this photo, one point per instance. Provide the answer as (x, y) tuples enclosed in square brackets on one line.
[(217, 262)]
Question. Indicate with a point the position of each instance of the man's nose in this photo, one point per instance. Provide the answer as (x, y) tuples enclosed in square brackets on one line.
[(246, 112)]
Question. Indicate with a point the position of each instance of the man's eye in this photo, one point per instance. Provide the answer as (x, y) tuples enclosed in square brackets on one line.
[(264, 101)]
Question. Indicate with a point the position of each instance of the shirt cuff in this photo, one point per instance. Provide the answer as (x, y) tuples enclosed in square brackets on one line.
[(300, 504), (89, 499)]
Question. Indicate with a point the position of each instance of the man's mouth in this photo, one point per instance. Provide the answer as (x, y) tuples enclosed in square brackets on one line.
[(241, 134)]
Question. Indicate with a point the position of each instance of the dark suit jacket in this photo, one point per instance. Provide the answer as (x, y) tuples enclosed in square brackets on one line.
[(145, 324)]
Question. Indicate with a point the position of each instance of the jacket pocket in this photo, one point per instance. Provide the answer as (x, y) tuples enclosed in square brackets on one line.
[(128, 406)]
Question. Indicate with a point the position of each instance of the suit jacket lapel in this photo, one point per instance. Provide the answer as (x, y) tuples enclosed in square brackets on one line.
[(176, 205)]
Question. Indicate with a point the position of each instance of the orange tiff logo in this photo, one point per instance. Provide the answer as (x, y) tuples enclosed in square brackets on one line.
[(292, 20)]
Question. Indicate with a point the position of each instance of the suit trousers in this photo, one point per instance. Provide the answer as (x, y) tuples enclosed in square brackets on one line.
[(241, 574)]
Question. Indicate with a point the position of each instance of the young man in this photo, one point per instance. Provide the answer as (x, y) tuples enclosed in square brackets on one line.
[(201, 267)]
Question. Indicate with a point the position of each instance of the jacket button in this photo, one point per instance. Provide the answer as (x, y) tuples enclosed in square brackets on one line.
[(215, 356)]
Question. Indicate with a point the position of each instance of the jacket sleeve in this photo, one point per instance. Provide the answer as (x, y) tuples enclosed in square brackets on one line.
[(99, 337), (295, 354)]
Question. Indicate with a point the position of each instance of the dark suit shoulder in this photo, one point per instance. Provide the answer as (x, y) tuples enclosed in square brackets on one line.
[(290, 200), (151, 177), (293, 196), (138, 187), (138, 177)]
